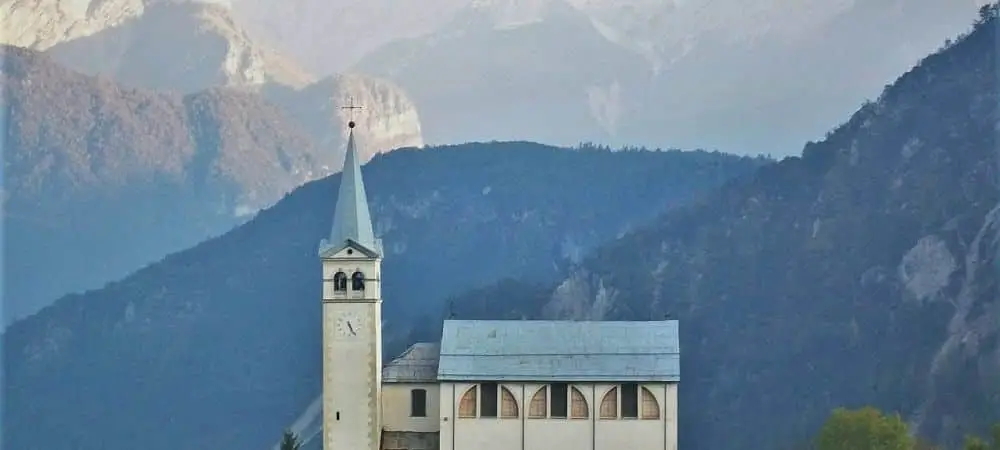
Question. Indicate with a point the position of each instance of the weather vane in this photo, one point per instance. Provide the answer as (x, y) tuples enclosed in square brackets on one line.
[(351, 107)]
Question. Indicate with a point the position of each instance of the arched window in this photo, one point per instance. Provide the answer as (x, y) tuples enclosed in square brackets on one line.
[(580, 410), (558, 401), (629, 401), (609, 404), (418, 403), (358, 281), (650, 407), (537, 408), (508, 406), (488, 400), (623, 401), (467, 407), (488, 404), (340, 281)]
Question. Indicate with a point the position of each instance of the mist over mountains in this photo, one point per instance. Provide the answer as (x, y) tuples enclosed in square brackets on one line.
[(100, 179), (758, 77), (186, 127), (753, 77), (742, 78), (864, 271)]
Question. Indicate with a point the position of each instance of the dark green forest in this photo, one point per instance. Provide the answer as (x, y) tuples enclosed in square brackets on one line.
[(218, 346), (863, 273)]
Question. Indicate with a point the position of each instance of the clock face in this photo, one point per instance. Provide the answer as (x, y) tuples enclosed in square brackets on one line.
[(348, 325)]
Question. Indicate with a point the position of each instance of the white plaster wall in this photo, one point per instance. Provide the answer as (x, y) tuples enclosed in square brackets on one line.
[(557, 433), (671, 415), (490, 433), (396, 408), (612, 434), (592, 433), (449, 392)]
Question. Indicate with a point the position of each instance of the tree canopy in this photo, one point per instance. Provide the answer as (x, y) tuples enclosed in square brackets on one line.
[(864, 429), (870, 429)]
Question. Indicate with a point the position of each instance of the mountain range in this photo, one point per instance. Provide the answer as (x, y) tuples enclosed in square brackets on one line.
[(181, 140), (749, 77), (190, 46), (863, 272), (519, 77), (101, 179), (866, 271), (668, 74), (759, 77)]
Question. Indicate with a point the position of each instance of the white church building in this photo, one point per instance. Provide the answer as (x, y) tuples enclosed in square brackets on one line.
[(488, 384)]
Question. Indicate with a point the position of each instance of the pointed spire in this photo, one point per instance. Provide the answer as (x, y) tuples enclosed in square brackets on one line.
[(351, 218)]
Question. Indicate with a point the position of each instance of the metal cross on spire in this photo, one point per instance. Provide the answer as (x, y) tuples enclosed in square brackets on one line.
[(350, 108)]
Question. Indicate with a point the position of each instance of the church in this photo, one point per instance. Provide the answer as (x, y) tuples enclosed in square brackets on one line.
[(488, 384)]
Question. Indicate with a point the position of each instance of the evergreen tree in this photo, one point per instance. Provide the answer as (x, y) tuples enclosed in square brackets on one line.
[(289, 441), (988, 11)]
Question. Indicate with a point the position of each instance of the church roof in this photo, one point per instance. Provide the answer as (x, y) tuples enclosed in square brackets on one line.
[(418, 364), (542, 350), (351, 218)]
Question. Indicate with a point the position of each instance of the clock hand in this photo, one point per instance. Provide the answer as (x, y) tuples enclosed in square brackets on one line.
[(349, 327)]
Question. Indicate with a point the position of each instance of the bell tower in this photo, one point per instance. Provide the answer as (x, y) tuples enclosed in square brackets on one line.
[(352, 317)]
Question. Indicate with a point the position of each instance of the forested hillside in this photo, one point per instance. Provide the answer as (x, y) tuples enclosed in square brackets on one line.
[(863, 272), (218, 346)]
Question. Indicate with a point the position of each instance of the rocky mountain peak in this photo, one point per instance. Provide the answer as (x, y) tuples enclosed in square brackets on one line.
[(387, 119), (180, 45), (190, 46), (40, 24)]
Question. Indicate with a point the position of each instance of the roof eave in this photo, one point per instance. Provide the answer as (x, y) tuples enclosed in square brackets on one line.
[(578, 379), (327, 250)]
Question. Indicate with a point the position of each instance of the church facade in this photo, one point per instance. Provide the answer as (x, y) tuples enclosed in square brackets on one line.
[(487, 385)]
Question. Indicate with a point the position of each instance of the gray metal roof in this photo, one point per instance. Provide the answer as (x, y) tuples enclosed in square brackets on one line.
[(418, 364), (351, 218), (541, 350)]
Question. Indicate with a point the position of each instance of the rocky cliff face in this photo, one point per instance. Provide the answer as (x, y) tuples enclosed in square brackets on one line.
[(190, 46), (179, 45), (865, 272), (499, 71), (330, 36), (759, 77), (100, 179), (387, 119), (40, 24)]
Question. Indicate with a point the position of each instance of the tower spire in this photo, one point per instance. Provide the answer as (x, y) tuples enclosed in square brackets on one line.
[(351, 217)]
